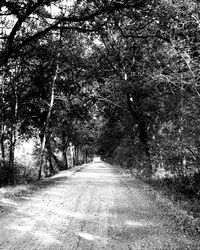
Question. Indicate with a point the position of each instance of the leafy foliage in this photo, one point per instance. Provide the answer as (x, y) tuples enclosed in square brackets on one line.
[(127, 85)]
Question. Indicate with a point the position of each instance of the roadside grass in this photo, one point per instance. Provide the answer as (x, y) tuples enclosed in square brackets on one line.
[(11, 195), (185, 206)]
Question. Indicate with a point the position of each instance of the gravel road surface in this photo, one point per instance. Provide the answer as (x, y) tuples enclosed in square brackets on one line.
[(94, 208)]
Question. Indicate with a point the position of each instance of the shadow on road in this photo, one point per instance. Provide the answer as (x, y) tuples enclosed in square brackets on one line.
[(10, 196)]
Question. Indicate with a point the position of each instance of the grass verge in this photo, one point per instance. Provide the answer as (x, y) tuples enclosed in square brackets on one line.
[(11, 195), (186, 209)]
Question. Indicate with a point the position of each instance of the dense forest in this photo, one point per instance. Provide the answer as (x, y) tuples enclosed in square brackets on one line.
[(115, 78)]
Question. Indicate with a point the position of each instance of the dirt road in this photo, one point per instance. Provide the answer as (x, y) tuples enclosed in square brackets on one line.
[(95, 208)]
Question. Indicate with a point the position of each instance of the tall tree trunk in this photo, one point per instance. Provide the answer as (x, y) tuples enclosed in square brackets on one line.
[(64, 151), (12, 156), (51, 168), (71, 149), (65, 161), (2, 144), (46, 129), (180, 152), (144, 140), (12, 148), (13, 137), (86, 156), (75, 155), (2, 139), (143, 135)]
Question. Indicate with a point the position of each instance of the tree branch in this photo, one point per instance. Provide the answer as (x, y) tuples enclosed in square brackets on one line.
[(142, 36)]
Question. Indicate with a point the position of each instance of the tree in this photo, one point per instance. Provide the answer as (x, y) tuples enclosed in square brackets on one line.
[(32, 20)]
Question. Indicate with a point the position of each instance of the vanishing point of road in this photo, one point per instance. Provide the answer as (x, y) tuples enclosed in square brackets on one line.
[(96, 207)]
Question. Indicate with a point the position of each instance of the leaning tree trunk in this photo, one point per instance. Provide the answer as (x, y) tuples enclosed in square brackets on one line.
[(46, 129), (56, 160)]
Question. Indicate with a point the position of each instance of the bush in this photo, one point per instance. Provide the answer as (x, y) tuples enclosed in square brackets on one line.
[(5, 173), (18, 174)]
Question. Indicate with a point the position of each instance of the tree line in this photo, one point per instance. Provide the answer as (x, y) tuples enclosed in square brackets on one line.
[(117, 78)]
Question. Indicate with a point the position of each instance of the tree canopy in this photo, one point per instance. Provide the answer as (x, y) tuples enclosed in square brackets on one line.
[(118, 78)]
